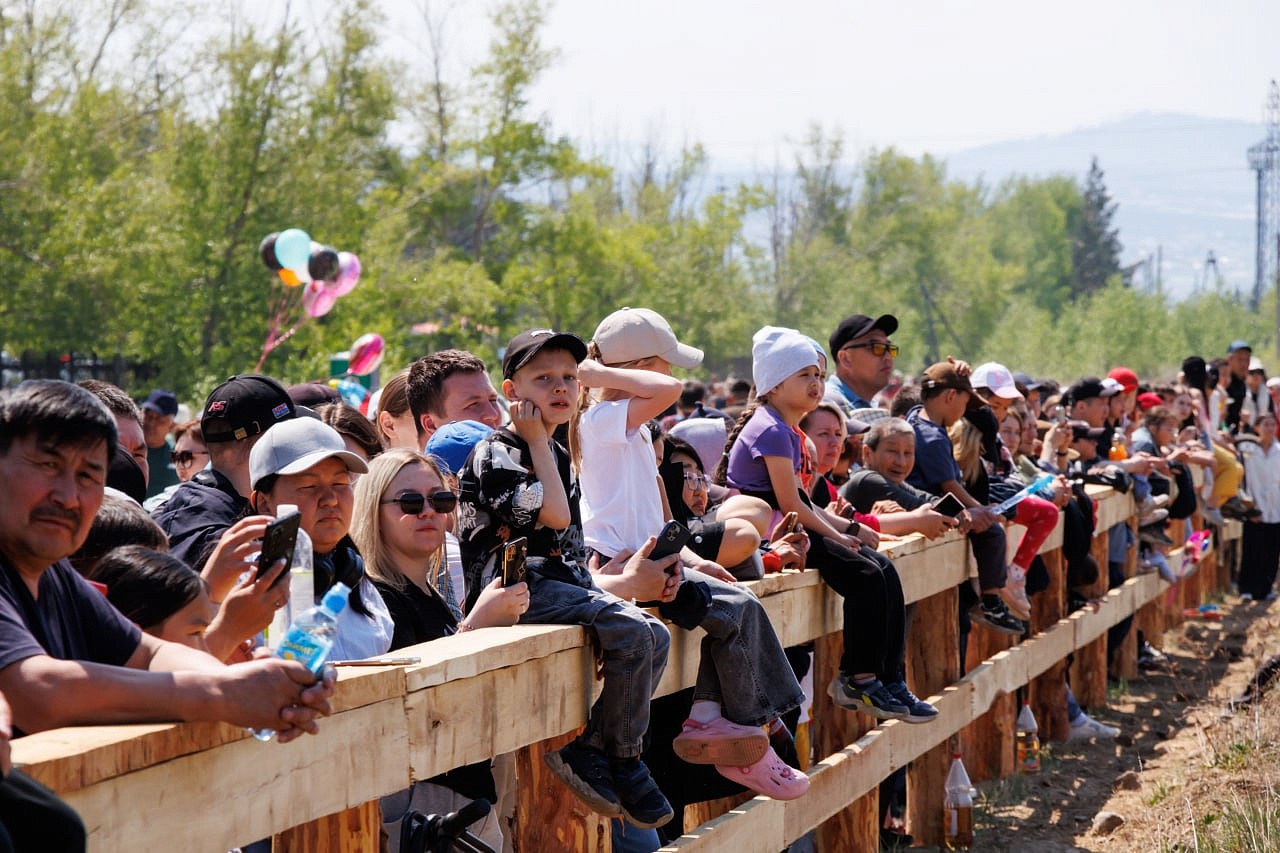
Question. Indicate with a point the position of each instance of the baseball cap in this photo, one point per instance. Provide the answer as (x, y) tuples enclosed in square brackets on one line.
[(1111, 387), (1081, 429), (629, 334), (1026, 381), (1238, 345), (524, 346), (244, 406), (452, 443), (1127, 378), (997, 378), (1149, 400), (870, 416), (161, 402), (294, 446), (857, 325), (944, 375), (1256, 365)]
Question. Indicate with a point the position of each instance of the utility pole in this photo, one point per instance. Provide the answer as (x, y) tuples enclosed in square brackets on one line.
[(1264, 159)]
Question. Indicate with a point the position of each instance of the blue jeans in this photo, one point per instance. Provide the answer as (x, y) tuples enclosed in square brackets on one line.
[(634, 647), (633, 839), (743, 666)]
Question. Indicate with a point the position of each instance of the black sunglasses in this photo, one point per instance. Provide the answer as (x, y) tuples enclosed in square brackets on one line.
[(412, 503), (183, 458)]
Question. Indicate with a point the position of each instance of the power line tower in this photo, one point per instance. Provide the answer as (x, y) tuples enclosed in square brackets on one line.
[(1264, 159)]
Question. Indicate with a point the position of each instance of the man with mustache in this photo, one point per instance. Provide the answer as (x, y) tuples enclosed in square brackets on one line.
[(67, 657)]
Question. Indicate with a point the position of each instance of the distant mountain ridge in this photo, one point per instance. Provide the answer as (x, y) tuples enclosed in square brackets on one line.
[(1181, 182)]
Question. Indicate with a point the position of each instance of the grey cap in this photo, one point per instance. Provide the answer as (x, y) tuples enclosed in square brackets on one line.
[(291, 447)]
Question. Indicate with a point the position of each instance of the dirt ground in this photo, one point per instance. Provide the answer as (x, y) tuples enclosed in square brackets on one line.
[(1185, 774)]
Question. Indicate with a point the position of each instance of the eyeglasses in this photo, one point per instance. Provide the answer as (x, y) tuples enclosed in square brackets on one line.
[(697, 482), (878, 348), (412, 503), (184, 458)]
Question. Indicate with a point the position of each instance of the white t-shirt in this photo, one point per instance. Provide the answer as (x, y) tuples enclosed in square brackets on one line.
[(361, 636), (621, 505)]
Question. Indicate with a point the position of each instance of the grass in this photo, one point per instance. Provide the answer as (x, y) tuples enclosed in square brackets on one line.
[(1246, 821)]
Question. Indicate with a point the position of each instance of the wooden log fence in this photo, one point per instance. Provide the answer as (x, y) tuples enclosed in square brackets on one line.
[(521, 690)]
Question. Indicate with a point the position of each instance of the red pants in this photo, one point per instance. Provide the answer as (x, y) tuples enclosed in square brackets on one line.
[(1039, 516)]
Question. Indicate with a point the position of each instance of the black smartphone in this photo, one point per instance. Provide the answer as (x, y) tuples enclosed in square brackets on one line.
[(513, 559), (672, 538), (277, 544), (949, 505)]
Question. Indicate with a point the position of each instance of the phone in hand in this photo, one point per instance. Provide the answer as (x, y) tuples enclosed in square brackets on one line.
[(673, 537), (514, 554), (788, 525), (949, 505), (277, 544)]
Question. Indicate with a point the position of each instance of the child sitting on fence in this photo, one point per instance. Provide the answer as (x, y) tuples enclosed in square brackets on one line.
[(763, 460)]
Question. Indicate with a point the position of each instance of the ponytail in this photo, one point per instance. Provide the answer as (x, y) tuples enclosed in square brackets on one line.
[(584, 403), (722, 470)]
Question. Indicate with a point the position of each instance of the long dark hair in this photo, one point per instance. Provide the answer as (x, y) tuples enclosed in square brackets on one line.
[(147, 586), (722, 470)]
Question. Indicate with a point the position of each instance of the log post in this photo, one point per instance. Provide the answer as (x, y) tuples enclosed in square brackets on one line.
[(987, 742), (856, 827), (1125, 663), (354, 830), (1047, 693), (548, 815), (933, 662), (1089, 669)]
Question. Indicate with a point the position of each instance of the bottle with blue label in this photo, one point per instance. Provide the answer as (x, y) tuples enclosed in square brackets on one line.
[(311, 636)]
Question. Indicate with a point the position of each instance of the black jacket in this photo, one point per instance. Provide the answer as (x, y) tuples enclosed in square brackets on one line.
[(197, 515)]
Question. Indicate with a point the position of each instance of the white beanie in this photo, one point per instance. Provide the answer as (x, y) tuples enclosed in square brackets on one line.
[(776, 353)]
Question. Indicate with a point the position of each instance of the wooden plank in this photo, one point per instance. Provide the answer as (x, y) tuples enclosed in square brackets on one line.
[(354, 830), (474, 652), (932, 664), (1089, 668), (857, 826), (548, 815)]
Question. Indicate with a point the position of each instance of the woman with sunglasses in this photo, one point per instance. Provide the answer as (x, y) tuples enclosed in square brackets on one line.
[(304, 463), (401, 509), (189, 451)]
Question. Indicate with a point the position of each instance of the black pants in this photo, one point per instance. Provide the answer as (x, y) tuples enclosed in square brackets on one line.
[(874, 617), (1259, 558), (33, 819)]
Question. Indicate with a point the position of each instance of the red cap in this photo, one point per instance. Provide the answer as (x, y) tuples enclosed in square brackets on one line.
[(1126, 377), (1149, 400)]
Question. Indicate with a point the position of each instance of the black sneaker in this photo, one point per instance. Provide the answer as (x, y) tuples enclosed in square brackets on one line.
[(918, 710), (993, 613), (1153, 534), (642, 800), (586, 771), (871, 698)]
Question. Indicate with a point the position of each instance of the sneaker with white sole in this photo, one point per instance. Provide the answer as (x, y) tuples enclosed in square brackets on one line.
[(1014, 592), (1085, 727), (918, 710), (871, 698)]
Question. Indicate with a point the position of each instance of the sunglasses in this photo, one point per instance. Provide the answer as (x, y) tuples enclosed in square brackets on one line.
[(412, 503), (878, 348), (697, 482), (184, 458)]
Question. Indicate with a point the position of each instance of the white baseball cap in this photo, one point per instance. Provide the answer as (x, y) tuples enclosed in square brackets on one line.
[(291, 447), (997, 379)]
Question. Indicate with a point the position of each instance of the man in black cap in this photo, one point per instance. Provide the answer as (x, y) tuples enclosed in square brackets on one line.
[(158, 412), (234, 417), (861, 359)]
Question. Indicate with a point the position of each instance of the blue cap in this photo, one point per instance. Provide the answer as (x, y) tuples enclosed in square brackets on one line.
[(452, 443), (1238, 345)]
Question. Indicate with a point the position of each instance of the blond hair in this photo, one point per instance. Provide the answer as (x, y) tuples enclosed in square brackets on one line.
[(966, 442), (366, 523)]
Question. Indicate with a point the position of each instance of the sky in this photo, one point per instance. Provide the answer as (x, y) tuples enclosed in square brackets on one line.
[(747, 79)]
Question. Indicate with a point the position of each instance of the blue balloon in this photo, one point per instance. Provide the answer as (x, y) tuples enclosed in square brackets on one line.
[(293, 248)]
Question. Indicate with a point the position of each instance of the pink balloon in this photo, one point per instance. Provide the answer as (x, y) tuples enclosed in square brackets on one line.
[(348, 275), (318, 300), (366, 354)]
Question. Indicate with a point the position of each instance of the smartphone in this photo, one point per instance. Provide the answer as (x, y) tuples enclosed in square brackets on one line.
[(277, 544), (672, 538), (949, 505), (788, 525), (513, 558)]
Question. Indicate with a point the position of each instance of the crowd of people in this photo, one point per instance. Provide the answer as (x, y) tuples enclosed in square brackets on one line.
[(131, 590)]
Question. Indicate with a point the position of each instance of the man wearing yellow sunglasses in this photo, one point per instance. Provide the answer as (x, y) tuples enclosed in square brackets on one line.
[(862, 359)]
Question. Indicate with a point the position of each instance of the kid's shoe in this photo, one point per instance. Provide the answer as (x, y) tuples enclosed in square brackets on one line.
[(769, 776), (642, 801), (871, 698), (1014, 592), (586, 772), (1085, 727), (992, 613), (918, 710), (720, 742)]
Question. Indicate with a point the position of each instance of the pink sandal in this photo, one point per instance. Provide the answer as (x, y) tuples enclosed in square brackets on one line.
[(770, 776), (720, 742)]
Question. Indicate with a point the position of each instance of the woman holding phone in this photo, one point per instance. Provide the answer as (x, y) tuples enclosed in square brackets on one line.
[(401, 509)]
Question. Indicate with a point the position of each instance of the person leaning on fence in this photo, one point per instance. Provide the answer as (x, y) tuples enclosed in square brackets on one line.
[(67, 657)]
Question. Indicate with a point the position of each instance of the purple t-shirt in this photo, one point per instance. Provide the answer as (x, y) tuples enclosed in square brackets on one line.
[(766, 434)]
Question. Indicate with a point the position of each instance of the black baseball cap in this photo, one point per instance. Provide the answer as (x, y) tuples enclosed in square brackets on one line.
[(161, 402), (1081, 429), (244, 406), (857, 325), (526, 345)]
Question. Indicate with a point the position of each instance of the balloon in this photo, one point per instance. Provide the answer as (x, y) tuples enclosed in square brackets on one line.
[(353, 393), (293, 248), (317, 300), (324, 262), (267, 251), (289, 277), (366, 354), (348, 274)]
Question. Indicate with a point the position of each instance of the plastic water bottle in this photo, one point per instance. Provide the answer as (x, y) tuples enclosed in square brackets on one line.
[(302, 590), (1117, 453), (311, 636), (957, 805), (1027, 741), (1042, 484)]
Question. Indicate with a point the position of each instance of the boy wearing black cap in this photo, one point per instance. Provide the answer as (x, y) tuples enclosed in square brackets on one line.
[(518, 482)]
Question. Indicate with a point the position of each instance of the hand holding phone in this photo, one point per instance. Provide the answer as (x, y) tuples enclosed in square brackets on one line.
[(949, 505), (514, 554), (278, 542), (673, 537)]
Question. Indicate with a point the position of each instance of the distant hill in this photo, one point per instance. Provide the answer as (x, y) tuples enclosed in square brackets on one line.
[(1181, 182)]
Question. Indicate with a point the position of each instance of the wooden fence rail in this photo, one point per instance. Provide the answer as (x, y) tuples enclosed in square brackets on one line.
[(485, 693)]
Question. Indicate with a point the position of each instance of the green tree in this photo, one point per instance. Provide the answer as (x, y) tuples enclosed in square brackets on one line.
[(1095, 242)]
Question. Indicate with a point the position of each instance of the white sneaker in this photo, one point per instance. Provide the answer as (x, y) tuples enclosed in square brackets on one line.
[(1085, 727), (1014, 592)]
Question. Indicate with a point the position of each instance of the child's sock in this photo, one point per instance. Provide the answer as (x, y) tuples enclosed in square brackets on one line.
[(704, 710)]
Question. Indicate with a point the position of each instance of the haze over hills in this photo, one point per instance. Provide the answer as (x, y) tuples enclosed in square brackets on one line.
[(1181, 182)]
